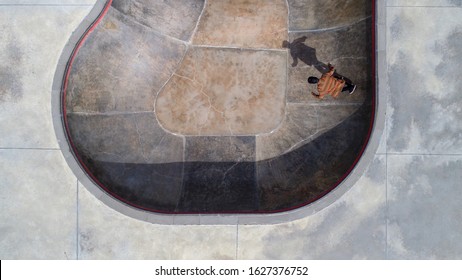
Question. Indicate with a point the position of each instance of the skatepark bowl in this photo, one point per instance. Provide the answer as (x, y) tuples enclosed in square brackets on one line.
[(194, 107)]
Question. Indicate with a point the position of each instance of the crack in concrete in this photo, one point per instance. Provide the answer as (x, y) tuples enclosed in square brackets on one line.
[(335, 28)]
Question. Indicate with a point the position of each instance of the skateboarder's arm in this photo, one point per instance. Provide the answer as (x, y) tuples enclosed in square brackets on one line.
[(331, 70)]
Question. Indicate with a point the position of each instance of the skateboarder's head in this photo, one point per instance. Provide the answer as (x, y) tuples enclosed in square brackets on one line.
[(313, 80), (285, 44)]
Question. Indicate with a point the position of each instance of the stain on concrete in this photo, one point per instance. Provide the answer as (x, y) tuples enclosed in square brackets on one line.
[(11, 87)]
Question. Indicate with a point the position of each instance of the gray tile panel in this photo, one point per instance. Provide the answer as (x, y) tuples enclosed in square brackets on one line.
[(176, 18), (302, 123), (32, 40), (38, 205), (424, 217), (220, 148), (424, 86), (108, 234), (124, 138)]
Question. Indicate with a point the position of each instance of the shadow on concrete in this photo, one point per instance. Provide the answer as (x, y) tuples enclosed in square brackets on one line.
[(300, 51)]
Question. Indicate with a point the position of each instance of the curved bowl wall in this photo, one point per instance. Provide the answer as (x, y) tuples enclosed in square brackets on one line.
[(193, 107)]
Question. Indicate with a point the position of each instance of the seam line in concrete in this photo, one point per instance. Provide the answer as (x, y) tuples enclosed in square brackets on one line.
[(237, 241), (321, 103), (457, 7), (46, 5), (38, 149), (132, 19), (196, 27), (109, 113), (238, 48), (386, 207), (77, 221)]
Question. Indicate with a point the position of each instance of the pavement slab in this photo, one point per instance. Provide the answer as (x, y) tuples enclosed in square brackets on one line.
[(223, 22), (424, 218), (175, 18), (224, 92), (424, 104), (37, 209), (305, 14), (117, 69)]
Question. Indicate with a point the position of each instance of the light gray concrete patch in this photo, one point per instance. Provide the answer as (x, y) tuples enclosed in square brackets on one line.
[(303, 13), (425, 3), (48, 2), (33, 40), (424, 63), (107, 234), (37, 206), (353, 227), (424, 217), (175, 18)]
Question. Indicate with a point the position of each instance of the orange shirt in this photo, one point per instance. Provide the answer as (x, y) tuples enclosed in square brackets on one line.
[(330, 85)]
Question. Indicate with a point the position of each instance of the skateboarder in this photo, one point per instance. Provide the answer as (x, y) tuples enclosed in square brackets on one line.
[(330, 84)]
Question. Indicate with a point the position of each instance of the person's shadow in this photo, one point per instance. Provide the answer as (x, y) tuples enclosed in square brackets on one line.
[(298, 50)]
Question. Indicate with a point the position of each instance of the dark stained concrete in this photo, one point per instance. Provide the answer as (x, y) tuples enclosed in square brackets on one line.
[(223, 23), (176, 18), (127, 108), (326, 14)]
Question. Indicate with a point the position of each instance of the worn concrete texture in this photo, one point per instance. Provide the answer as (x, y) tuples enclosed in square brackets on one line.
[(424, 109), (129, 64), (243, 23), (38, 207), (224, 92), (175, 18), (423, 201), (305, 15), (108, 234), (29, 51)]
